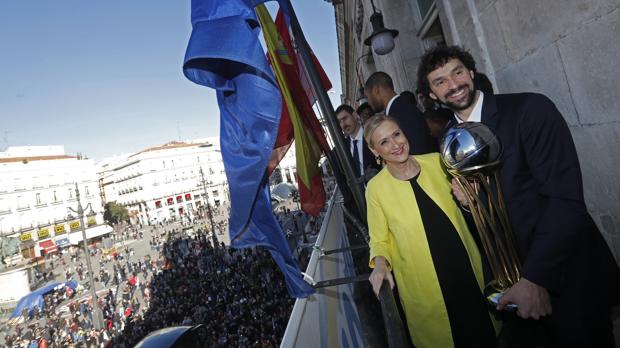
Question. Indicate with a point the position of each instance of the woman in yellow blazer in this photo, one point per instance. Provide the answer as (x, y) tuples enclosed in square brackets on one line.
[(417, 232)]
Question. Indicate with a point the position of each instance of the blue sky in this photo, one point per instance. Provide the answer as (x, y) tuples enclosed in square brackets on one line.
[(104, 77)]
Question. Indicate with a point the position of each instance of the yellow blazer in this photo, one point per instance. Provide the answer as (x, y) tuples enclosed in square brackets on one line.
[(397, 233)]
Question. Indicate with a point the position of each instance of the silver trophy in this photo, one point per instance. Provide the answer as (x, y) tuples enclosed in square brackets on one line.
[(472, 154)]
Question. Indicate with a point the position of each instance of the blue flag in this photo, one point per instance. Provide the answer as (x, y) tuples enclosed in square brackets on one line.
[(224, 53)]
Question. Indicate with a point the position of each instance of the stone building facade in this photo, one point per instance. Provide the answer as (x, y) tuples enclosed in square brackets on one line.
[(38, 201), (165, 182), (566, 50)]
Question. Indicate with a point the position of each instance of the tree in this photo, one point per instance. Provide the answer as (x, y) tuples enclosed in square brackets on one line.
[(276, 177), (115, 213)]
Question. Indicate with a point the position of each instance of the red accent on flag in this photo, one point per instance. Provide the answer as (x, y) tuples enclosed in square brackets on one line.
[(312, 141), (294, 78)]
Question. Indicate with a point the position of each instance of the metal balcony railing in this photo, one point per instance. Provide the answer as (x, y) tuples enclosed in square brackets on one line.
[(333, 285)]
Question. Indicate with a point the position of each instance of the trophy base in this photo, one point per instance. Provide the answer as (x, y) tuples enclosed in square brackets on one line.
[(493, 293)]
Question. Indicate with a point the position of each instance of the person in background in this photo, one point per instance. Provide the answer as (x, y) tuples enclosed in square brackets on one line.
[(364, 162), (365, 112), (379, 90)]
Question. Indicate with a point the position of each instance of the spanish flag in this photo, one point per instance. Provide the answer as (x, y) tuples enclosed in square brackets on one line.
[(298, 120)]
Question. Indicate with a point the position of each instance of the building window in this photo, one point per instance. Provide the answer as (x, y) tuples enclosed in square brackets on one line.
[(4, 206), (359, 21), (19, 185), (20, 203), (164, 164), (87, 191), (431, 30), (424, 6), (215, 193), (37, 198), (70, 193), (55, 197)]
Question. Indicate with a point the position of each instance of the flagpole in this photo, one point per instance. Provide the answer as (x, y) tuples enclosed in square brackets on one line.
[(344, 156)]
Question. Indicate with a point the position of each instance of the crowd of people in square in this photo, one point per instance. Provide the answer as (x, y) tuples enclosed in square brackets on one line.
[(237, 295)]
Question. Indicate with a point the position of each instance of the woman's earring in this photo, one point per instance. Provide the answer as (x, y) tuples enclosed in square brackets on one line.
[(378, 160)]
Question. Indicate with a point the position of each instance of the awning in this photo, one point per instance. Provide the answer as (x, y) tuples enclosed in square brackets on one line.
[(62, 242), (91, 232), (48, 246)]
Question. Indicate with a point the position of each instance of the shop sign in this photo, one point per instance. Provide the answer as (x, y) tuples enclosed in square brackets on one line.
[(74, 225), (92, 221), (59, 229), (25, 236), (43, 232)]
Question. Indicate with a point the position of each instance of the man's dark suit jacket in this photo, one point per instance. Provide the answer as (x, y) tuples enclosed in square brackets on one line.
[(414, 126), (369, 163), (560, 247), (368, 158)]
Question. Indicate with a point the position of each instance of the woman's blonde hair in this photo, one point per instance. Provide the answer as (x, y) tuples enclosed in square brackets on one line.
[(372, 124)]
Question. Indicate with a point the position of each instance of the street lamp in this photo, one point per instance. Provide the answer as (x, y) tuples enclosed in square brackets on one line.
[(382, 39), (209, 212), (97, 317)]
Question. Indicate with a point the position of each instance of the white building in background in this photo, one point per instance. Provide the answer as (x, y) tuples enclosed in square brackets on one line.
[(164, 182), (288, 166), (37, 188)]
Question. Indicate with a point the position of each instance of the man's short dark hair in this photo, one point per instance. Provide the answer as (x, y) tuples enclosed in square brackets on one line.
[(344, 107), (438, 57), (365, 106), (379, 78), (482, 83)]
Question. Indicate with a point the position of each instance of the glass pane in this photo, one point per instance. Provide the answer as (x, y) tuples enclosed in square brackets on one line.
[(424, 6)]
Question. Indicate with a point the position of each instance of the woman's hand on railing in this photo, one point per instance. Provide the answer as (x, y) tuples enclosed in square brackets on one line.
[(379, 273)]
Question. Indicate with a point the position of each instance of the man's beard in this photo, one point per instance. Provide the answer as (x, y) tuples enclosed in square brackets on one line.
[(471, 95)]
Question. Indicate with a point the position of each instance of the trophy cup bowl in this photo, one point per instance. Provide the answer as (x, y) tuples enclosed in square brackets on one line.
[(470, 147)]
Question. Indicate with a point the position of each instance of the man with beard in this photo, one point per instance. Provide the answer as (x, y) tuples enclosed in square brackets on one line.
[(567, 266), (379, 89), (363, 160)]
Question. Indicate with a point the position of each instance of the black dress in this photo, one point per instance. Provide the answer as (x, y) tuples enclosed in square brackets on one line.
[(470, 323)]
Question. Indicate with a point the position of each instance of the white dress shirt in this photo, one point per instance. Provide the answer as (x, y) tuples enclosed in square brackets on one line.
[(387, 109), (476, 113), (359, 136)]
